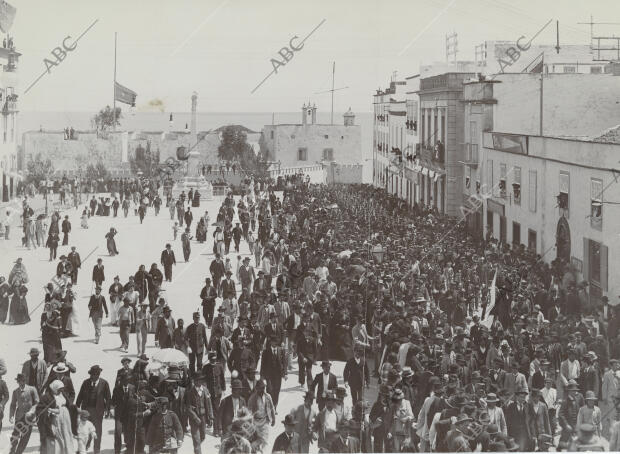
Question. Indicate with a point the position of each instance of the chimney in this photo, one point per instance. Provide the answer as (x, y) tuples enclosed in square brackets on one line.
[(304, 115), (193, 121), (313, 113)]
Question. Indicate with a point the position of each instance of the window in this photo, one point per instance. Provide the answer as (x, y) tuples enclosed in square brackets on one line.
[(516, 233), (563, 196), (516, 186), (570, 69), (594, 260), (302, 154), (272, 134), (490, 222), (596, 204), (326, 136), (473, 132), (532, 191), (595, 70), (502, 180), (328, 154), (531, 240)]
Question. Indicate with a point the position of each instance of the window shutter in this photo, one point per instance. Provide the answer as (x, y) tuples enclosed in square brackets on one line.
[(586, 259), (604, 253)]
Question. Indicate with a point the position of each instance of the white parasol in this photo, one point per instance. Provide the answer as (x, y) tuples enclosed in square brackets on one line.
[(170, 357)]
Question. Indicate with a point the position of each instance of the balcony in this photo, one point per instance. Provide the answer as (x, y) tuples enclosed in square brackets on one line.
[(470, 154), (10, 106)]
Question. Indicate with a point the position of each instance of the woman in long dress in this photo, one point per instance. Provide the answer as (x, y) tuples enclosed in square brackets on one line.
[(55, 421), (18, 311), (18, 274), (110, 241), (50, 332), (84, 218), (5, 290), (70, 299)]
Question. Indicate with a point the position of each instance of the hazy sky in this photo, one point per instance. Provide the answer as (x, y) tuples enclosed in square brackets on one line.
[(222, 48)]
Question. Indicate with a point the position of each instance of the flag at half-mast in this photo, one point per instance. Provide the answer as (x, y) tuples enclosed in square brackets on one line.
[(124, 94), (7, 14)]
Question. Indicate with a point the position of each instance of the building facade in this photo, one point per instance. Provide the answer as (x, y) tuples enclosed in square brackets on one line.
[(309, 144), (9, 165)]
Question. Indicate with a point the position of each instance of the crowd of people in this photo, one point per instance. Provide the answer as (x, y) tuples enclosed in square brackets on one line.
[(450, 343)]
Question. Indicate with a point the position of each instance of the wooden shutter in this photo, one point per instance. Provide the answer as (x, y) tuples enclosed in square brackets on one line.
[(604, 254), (586, 259)]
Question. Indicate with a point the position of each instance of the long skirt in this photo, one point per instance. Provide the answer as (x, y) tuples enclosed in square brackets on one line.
[(52, 343), (4, 308), (115, 306), (63, 437), (112, 246), (18, 312)]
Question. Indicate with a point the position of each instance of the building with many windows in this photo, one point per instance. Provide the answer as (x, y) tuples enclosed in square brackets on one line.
[(8, 122)]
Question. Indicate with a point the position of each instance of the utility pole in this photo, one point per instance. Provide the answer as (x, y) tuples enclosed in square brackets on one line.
[(331, 91), (114, 103)]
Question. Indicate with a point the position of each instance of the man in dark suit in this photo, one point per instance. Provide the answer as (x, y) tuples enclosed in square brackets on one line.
[(260, 284), (167, 260), (217, 270), (196, 338), (274, 329), (227, 287), (98, 273), (230, 406), (125, 370), (273, 369), (344, 442), (165, 329), (199, 410), (216, 384), (94, 397), (284, 281), (288, 441), (325, 381), (355, 374), (208, 294), (76, 263), (121, 396), (518, 420), (246, 275)]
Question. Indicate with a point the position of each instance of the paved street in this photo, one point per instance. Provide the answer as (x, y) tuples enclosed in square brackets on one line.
[(137, 244)]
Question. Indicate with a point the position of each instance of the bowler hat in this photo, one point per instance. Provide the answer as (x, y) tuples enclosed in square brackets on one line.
[(34, 351), (289, 420), (94, 370)]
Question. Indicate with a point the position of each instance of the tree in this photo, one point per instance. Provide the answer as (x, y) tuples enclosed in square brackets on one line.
[(107, 118), (235, 147), (96, 172), (39, 169)]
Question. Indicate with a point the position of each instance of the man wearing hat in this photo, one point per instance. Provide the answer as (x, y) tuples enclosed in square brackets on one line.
[(246, 275), (165, 329), (496, 414), (289, 440), (168, 259), (261, 406), (230, 406), (23, 405), (165, 433), (94, 397), (377, 417), (217, 270), (399, 418), (35, 370), (323, 383), (327, 421), (216, 384), (518, 419), (356, 374), (96, 307), (457, 438), (274, 368), (121, 395), (305, 416), (208, 294), (199, 409), (98, 273), (538, 415), (196, 338), (347, 440), (61, 371), (569, 370)]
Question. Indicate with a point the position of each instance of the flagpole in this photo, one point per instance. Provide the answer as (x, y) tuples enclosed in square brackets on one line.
[(114, 88)]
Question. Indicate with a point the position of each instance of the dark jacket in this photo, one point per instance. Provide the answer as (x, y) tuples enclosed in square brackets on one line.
[(167, 258), (214, 378), (226, 412), (97, 401), (273, 367), (356, 375), (120, 401), (98, 273), (317, 384), (198, 405), (196, 337)]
